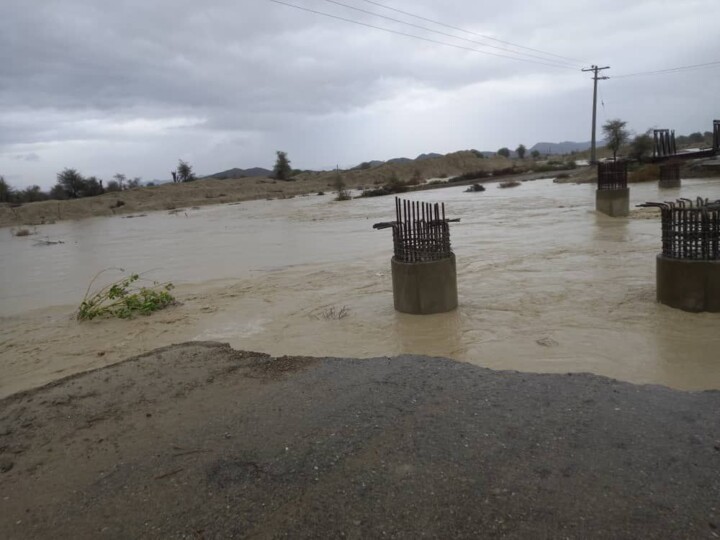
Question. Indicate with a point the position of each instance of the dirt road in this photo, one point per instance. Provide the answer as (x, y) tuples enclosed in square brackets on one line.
[(201, 441)]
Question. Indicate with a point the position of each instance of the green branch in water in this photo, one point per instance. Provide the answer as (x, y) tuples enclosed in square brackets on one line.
[(125, 299)]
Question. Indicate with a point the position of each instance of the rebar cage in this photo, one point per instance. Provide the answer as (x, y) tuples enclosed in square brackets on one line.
[(612, 175), (421, 232), (690, 229)]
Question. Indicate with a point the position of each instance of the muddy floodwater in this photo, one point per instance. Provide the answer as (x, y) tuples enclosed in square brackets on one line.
[(545, 284)]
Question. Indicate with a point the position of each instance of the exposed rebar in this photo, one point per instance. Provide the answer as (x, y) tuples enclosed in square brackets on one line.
[(690, 229), (612, 175), (421, 232)]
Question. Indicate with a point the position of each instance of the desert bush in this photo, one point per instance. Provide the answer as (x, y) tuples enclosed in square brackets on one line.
[(645, 173), (474, 175), (342, 193), (416, 178), (554, 165), (394, 185), (124, 299)]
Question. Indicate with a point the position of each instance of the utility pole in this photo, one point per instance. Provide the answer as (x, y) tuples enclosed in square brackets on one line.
[(595, 70)]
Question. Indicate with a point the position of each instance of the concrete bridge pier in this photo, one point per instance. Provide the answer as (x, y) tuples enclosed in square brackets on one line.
[(688, 268), (613, 202), (688, 285), (424, 288)]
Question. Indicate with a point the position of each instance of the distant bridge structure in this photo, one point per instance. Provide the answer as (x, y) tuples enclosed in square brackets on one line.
[(664, 146), (664, 143)]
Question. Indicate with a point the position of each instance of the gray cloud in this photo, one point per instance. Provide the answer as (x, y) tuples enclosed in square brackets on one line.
[(106, 87), (32, 157)]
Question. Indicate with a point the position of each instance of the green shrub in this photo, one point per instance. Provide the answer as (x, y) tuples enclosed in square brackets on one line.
[(124, 300)]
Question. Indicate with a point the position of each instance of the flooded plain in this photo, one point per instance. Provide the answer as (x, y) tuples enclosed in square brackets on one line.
[(545, 284)]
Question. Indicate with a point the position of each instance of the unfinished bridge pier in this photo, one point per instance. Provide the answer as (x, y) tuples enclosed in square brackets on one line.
[(670, 175), (612, 196), (424, 275), (688, 269)]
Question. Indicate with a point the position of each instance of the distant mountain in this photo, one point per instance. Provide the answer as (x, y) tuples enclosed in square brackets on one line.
[(431, 155), (372, 164), (240, 173), (562, 147), (398, 161), (367, 165)]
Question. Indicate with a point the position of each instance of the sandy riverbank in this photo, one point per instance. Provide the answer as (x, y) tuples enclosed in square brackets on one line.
[(173, 197), (199, 440)]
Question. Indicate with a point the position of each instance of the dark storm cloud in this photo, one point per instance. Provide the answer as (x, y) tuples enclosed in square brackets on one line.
[(80, 77)]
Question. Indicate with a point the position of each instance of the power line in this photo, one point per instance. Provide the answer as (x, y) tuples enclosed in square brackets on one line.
[(474, 33), (679, 69), (563, 64), (417, 37)]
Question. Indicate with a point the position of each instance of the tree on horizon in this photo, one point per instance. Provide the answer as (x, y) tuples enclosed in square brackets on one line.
[(184, 172), (6, 192), (521, 151), (70, 182), (641, 146), (615, 134), (282, 169)]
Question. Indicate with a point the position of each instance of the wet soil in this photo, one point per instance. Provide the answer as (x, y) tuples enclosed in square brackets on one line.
[(202, 441)]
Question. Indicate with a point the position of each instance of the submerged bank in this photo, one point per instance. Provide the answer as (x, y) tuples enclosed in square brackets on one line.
[(201, 440)]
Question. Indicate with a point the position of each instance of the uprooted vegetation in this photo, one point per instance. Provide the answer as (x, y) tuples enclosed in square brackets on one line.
[(124, 299), (331, 313), (22, 231), (509, 184)]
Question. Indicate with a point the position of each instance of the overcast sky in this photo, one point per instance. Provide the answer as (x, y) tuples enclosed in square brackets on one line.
[(132, 86)]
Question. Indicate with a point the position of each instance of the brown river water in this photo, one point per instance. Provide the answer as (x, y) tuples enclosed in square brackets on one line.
[(545, 285)]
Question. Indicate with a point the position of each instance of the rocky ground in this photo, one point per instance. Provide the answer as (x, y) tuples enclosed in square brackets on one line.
[(201, 441)]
